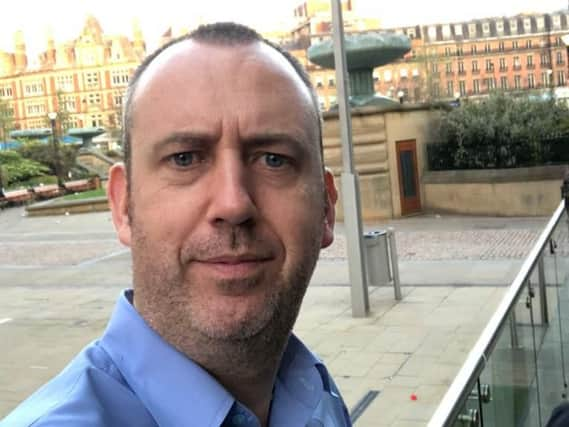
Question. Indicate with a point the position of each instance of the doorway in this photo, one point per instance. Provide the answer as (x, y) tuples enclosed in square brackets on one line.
[(408, 177)]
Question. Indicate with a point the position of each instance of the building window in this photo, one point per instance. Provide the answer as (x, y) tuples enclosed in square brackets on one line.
[(474, 66), (561, 78), (489, 65), (476, 86), (472, 30), (35, 109), (448, 51), (69, 103), (35, 88), (450, 89), (544, 59), (436, 90), (486, 27), (5, 92), (435, 67), (96, 120), (117, 100), (515, 45), (504, 83), (119, 77), (500, 26), (331, 81), (94, 99), (531, 81), (415, 73), (459, 51), (387, 76), (546, 78), (528, 44), (92, 80), (527, 25), (403, 73), (319, 84), (517, 63), (503, 66), (448, 67), (473, 49), (376, 76), (501, 46), (487, 48), (530, 61), (491, 83), (461, 67), (517, 82), (462, 87), (513, 26), (458, 30), (560, 58), (557, 41), (64, 83)]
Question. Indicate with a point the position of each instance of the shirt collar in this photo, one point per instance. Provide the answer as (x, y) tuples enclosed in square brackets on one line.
[(177, 391)]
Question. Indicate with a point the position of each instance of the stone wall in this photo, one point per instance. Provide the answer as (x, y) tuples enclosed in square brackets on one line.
[(497, 192)]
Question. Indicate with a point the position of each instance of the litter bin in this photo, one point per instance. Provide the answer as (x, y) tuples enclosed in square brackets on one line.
[(376, 258)]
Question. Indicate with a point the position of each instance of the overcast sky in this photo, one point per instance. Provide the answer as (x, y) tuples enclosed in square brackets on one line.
[(66, 17)]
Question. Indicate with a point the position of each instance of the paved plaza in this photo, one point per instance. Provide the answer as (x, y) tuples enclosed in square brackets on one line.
[(60, 277)]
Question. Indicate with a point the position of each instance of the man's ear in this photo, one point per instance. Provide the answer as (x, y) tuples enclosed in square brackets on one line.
[(118, 200), (331, 198)]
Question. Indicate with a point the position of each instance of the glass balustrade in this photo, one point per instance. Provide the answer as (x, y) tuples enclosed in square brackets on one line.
[(517, 372)]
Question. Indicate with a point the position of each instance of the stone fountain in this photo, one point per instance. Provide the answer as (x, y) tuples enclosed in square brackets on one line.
[(364, 52)]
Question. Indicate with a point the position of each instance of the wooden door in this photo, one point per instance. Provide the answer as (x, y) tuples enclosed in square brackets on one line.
[(408, 177)]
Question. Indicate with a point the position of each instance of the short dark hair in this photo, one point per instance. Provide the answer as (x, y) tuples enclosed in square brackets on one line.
[(221, 33)]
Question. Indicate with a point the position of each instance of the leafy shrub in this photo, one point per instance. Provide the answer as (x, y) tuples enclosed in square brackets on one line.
[(500, 132), (15, 168)]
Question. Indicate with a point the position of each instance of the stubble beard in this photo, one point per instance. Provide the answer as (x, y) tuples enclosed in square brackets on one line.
[(243, 348)]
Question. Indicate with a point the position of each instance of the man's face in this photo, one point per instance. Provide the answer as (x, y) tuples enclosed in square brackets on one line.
[(229, 205)]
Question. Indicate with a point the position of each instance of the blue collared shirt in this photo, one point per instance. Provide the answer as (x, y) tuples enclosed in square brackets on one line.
[(132, 377)]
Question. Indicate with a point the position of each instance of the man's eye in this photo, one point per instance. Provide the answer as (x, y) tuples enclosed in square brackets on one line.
[(275, 160), (184, 159)]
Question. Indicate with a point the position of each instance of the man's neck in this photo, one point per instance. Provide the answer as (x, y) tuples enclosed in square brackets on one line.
[(247, 370)]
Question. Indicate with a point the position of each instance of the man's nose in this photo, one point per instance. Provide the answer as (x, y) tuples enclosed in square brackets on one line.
[(232, 200)]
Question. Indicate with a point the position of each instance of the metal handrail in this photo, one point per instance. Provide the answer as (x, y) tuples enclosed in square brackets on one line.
[(458, 392)]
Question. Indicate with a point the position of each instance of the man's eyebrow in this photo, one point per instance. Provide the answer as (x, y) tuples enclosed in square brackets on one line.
[(185, 137), (261, 139)]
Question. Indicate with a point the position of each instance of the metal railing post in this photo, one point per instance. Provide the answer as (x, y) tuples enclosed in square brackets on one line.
[(394, 263), (542, 291)]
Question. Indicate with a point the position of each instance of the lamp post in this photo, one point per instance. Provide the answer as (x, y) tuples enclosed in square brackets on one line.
[(52, 117), (401, 95)]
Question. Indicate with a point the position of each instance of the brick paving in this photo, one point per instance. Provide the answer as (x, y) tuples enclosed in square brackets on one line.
[(452, 245)]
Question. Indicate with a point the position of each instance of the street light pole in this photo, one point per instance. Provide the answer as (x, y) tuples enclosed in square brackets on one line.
[(350, 183), (52, 117)]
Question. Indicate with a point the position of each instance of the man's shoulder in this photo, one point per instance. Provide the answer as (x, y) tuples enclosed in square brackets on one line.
[(89, 391)]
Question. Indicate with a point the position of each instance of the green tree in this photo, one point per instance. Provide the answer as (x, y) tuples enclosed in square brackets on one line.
[(6, 124), (43, 153)]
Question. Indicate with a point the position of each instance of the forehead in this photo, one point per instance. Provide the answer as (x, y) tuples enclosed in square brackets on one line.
[(190, 72)]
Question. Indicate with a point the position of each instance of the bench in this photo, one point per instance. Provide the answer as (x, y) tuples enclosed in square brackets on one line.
[(79, 185), (17, 196), (47, 191)]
